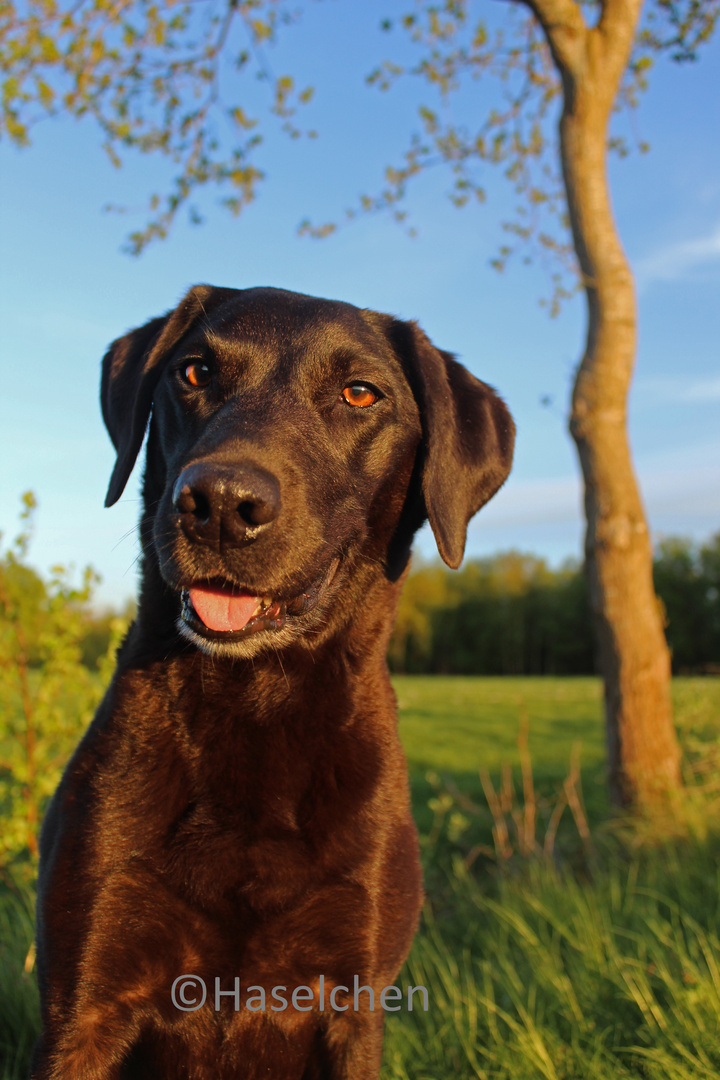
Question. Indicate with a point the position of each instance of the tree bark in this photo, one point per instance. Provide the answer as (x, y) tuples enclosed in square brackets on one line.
[(642, 746)]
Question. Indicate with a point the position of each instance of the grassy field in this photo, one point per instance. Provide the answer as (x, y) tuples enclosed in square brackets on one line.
[(594, 955), (453, 727), (600, 959)]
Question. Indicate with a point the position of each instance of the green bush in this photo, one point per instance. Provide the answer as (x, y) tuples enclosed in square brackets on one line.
[(47, 696)]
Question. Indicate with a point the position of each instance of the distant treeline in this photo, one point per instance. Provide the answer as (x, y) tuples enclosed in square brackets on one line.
[(512, 615)]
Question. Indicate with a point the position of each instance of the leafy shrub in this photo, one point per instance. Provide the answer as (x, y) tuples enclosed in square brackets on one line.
[(47, 696)]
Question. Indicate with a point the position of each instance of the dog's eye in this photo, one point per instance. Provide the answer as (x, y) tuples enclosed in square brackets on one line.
[(360, 395), (197, 374)]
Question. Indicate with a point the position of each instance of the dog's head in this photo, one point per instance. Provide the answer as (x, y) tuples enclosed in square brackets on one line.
[(295, 446)]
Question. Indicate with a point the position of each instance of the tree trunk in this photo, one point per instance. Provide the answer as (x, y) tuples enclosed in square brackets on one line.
[(643, 752)]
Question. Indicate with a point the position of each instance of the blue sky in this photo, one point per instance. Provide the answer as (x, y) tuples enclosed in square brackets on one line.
[(67, 290)]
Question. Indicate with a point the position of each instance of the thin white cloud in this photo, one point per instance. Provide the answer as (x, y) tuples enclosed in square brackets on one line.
[(533, 502), (702, 390), (677, 260), (683, 485), (654, 390)]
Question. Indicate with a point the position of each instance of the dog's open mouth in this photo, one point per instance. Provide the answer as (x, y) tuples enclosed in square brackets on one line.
[(218, 612), (222, 612)]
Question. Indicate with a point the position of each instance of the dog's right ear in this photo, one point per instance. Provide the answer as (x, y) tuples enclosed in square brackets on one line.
[(131, 369)]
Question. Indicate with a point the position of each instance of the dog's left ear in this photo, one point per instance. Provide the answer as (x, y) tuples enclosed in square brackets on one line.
[(131, 369), (469, 437)]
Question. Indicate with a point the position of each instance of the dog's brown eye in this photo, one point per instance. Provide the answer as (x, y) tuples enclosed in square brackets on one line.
[(198, 374), (360, 395)]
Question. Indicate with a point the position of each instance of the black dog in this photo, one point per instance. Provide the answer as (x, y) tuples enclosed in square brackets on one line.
[(238, 810)]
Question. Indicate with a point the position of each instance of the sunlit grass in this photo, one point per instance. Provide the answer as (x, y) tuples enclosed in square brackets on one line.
[(456, 727), (546, 976), (543, 968)]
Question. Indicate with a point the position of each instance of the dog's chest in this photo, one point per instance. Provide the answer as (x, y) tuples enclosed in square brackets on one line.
[(262, 808)]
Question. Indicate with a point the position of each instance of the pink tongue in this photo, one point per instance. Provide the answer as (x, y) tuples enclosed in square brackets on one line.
[(221, 611)]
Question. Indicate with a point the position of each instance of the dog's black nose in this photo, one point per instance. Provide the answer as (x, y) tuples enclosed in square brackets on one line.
[(222, 504)]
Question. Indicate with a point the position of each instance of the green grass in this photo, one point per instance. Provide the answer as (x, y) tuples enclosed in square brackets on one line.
[(549, 977), (456, 723), (454, 726), (19, 1009), (588, 964), (605, 967)]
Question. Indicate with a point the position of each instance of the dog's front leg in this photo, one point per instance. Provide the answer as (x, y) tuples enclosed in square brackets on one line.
[(92, 1035), (351, 1049), (141, 936), (92, 1047)]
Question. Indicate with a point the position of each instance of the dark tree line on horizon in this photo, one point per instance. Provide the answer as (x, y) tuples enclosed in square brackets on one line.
[(511, 614)]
